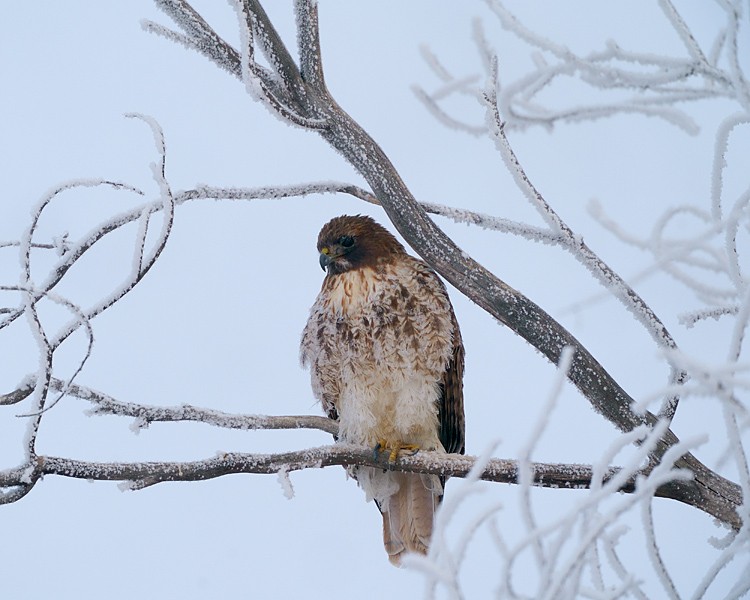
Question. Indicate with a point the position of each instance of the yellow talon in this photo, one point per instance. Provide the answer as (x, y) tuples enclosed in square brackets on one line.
[(382, 445)]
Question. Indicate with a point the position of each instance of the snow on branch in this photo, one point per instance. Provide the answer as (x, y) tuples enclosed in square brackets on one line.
[(145, 415), (705, 256), (197, 35), (142, 474), (457, 215), (561, 542), (658, 81), (557, 229)]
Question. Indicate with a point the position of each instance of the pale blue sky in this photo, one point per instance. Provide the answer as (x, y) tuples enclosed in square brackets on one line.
[(217, 321)]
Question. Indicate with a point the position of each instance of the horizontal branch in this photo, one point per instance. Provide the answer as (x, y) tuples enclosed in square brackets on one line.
[(106, 405), (718, 502), (144, 474), (448, 465)]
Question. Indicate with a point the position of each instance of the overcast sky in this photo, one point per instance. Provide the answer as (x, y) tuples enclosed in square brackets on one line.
[(216, 323)]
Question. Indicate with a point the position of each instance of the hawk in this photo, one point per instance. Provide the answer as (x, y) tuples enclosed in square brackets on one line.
[(386, 360)]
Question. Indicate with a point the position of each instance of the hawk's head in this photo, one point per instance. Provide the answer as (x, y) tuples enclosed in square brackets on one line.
[(354, 242)]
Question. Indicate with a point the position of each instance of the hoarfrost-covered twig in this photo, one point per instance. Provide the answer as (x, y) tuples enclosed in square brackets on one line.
[(682, 30), (599, 69), (653, 551), (64, 386), (430, 103), (525, 470), (575, 244), (689, 319), (200, 37)]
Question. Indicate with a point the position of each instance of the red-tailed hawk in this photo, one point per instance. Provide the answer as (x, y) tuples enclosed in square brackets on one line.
[(386, 360)]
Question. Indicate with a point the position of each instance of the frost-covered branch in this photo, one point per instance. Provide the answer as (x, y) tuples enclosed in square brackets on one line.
[(663, 83), (577, 247), (145, 415), (575, 547), (657, 82), (698, 246), (142, 474), (490, 98), (458, 215), (452, 465)]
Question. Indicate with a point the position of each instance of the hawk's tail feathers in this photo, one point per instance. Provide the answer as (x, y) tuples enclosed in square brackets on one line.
[(408, 514)]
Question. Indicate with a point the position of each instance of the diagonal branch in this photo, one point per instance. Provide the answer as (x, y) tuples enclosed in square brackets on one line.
[(308, 43), (202, 37), (485, 289)]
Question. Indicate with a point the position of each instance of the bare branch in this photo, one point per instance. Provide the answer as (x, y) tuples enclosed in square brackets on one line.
[(202, 37), (308, 44), (278, 56), (453, 465), (145, 415), (142, 474)]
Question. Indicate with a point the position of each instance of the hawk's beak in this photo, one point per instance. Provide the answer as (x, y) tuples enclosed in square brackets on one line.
[(330, 253), (325, 260)]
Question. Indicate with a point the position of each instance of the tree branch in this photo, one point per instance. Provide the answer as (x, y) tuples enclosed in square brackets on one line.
[(144, 474), (485, 289), (145, 415)]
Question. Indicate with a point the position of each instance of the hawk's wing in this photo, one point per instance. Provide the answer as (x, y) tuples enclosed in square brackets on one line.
[(451, 400)]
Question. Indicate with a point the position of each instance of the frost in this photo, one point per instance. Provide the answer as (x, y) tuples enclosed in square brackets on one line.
[(60, 243), (26, 477), (138, 424), (127, 486), (286, 482)]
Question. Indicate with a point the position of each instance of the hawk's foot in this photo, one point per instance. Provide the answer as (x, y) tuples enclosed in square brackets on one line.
[(383, 445)]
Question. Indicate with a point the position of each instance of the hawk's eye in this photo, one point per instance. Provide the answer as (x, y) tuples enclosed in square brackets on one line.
[(346, 241)]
